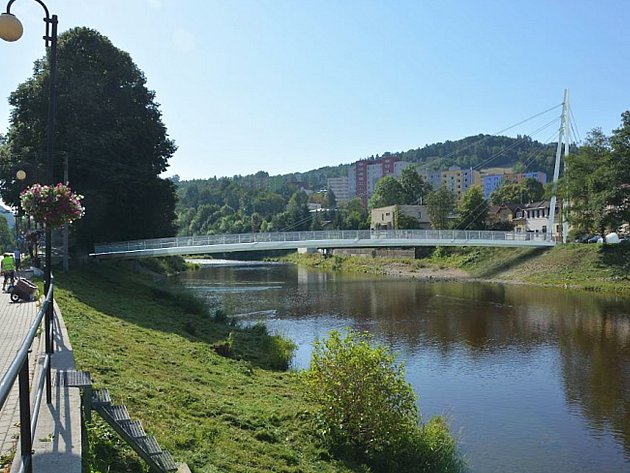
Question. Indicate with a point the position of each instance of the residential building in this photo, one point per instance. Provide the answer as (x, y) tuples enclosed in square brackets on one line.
[(384, 218), (491, 182), (367, 173), (534, 218), (500, 217), (456, 180), (340, 186)]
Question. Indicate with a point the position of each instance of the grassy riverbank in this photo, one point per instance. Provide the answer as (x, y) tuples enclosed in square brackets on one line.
[(157, 352), (590, 267)]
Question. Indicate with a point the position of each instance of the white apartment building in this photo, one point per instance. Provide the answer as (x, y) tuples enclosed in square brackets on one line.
[(340, 186)]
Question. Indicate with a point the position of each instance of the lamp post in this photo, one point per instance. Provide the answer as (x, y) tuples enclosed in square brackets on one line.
[(11, 30)]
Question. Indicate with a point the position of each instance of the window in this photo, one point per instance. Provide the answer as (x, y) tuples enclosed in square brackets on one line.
[(544, 229)]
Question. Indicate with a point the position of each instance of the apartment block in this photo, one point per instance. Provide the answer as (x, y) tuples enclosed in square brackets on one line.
[(492, 182)]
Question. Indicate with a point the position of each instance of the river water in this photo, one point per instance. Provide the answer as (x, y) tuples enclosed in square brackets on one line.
[(531, 379)]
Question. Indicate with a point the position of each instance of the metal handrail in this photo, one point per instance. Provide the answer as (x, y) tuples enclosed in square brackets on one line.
[(19, 370), (322, 235)]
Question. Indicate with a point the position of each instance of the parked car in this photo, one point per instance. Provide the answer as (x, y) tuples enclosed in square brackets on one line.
[(594, 239)]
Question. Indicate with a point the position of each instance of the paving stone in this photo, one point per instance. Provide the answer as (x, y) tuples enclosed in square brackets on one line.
[(15, 321)]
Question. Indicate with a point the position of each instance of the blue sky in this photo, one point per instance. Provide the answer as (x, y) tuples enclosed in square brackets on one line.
[(289, 86)]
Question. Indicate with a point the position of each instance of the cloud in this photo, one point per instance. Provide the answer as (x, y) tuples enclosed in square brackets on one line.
[(155, 4), (183, 40)]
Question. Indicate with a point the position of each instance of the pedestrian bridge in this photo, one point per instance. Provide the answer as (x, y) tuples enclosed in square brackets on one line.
[(227, 243)]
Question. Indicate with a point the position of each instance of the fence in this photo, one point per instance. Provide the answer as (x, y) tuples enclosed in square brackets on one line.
[(330, 237), (19, 370)]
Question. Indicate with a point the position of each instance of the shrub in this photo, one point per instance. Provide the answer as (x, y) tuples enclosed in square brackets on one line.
[(368, 410)]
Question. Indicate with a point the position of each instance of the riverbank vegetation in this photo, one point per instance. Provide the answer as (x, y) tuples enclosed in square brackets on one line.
[(604, 268), (216, 395), (367, 410)]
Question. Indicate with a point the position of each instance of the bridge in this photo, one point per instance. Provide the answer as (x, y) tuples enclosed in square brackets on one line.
[(227, 243)]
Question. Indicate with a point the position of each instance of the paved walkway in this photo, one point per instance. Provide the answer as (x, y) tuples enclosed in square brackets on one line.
[(57, 443), (15, 320)]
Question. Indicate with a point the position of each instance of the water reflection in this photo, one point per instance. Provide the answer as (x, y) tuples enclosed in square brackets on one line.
[(539, 378)]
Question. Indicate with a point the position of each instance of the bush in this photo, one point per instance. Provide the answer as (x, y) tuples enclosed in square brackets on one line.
[(368, 410)]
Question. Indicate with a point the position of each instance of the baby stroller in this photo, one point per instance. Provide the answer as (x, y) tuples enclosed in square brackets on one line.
[(22, 289)]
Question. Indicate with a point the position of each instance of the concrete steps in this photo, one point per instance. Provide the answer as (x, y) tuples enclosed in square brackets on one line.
[(118, 418)]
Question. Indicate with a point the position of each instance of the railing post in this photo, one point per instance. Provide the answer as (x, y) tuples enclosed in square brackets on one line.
[(26, 437), (48, 333)]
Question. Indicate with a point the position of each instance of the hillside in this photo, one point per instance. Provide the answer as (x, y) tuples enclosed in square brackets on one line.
[(479, 151)]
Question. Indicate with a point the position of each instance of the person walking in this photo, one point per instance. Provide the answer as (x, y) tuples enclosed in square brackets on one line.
[(8, 269), (17, 257)]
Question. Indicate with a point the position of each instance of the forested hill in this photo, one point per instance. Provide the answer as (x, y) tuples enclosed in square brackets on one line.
[(484, 151), (479, 152)]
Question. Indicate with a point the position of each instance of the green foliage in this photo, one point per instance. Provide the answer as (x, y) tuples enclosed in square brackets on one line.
[(217, 414), (526, 191), (259, 202), (110, 129), (415, 189), (387, 191), (405, 222), (596, 184), (367, 410), (7, 241), (440, 206), (473, 210), (589, 184), (472, 151)]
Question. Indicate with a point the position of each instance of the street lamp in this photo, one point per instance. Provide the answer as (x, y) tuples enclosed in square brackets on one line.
[(11, 30)]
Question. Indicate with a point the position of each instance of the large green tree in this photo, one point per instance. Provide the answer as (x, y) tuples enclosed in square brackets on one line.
[(473, 210), (387, 191), (509, 192), (415, 189), (620, 153), (589, 185), (108, 127), (440, 205)]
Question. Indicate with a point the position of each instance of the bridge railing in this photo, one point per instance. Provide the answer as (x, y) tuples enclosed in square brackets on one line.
[(327, 236)]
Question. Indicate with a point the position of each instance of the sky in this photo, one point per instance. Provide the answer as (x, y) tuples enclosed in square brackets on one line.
[(290, 86)]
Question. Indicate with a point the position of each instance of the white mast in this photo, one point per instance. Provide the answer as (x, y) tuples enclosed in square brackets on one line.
[(564, 121)]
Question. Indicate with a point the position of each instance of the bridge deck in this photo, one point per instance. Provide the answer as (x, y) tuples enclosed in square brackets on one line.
[(208, 244)]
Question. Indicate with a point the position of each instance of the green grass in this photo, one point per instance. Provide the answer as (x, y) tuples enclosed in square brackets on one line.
[(356, 264), (603, 268), (158, 356)]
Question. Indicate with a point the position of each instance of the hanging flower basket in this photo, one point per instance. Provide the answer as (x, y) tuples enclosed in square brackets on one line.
[(52, 206)]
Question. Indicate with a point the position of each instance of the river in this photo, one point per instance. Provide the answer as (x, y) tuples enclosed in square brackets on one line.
[(531, 379)]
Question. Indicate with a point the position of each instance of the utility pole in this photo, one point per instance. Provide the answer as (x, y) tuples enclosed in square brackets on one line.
[(65, 225)]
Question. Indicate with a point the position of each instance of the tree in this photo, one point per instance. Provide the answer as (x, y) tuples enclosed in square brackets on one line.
[(509, 192), (440, 205), (364, 397), (331, 200), (388, 191), (533, 189), (473, 210), (620, 168), (588, 186), (108, 127), (7, 242), (353, 215), (414, 187), (368, 409), (298, 217)]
